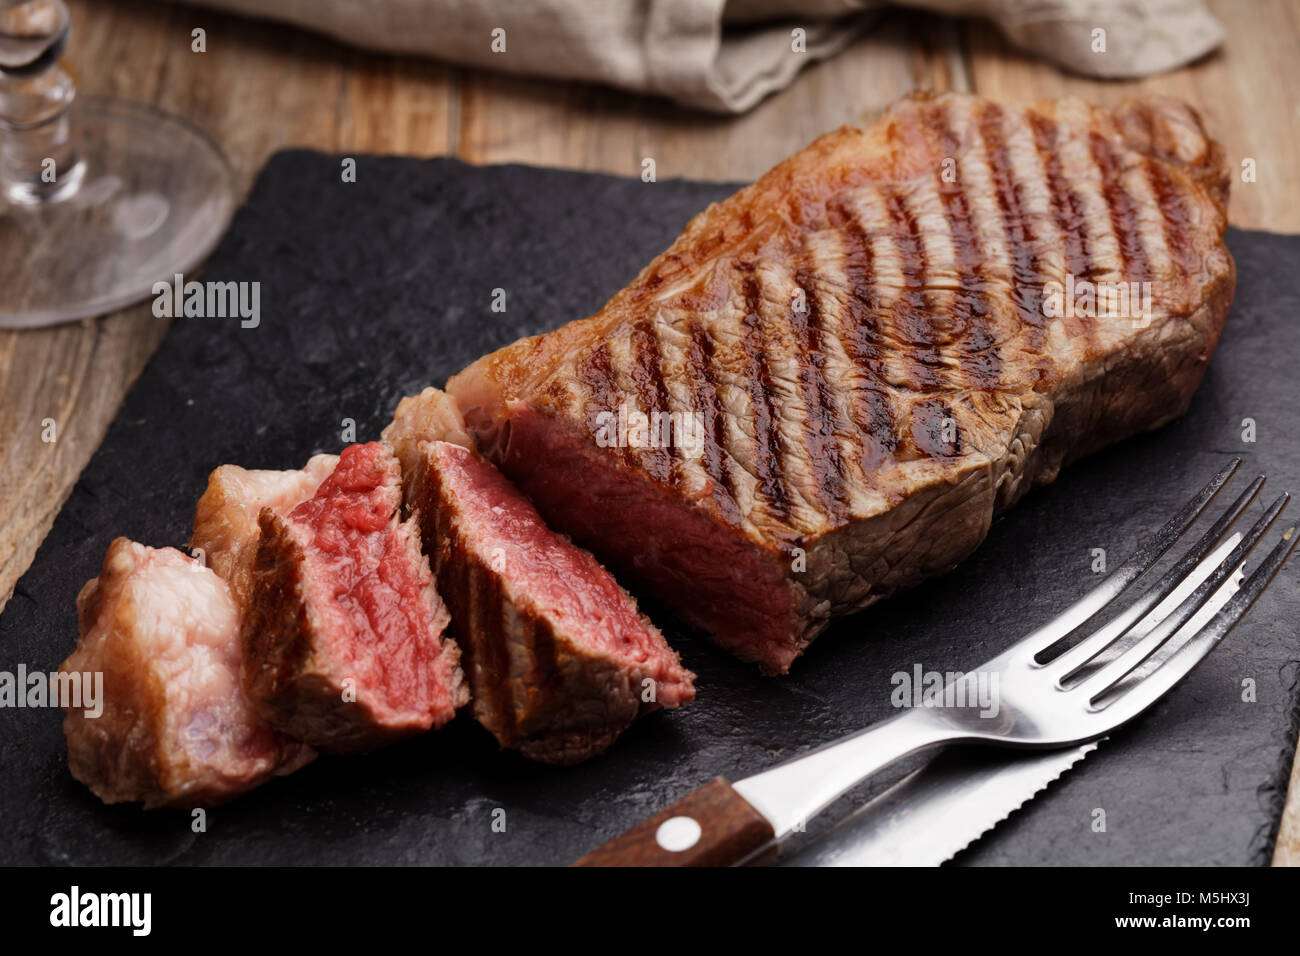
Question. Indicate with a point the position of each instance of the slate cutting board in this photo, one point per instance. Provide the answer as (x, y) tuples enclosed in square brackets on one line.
[(372, 289)]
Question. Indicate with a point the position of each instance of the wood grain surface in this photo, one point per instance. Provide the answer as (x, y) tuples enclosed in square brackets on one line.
[(260, 88)]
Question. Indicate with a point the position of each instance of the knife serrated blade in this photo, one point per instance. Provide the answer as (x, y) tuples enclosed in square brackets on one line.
[(940, 809)]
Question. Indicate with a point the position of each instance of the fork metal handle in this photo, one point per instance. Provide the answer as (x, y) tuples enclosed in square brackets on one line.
[(792, 793)]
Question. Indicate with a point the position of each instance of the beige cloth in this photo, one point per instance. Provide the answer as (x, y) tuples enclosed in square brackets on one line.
[(726, 55)]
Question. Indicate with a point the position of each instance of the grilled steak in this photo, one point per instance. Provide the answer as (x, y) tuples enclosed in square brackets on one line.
[(558, 658), (342, 635), (175, 728), (225, 520), (869, 353)]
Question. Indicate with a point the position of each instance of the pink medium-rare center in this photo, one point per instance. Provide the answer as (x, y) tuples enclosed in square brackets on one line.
[(565, 581), (559, 659), (343, 633), (225, 519)]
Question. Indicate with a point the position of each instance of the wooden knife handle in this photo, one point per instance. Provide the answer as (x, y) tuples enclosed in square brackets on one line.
[(713, 826)]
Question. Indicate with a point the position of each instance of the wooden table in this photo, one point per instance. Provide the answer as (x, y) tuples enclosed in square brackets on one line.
[(260, 88)]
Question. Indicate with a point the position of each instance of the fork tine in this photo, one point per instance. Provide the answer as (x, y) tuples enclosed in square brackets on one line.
[(1065, 665), (1126, 628), (1117, 670), (1129, 571), (1149, 689)]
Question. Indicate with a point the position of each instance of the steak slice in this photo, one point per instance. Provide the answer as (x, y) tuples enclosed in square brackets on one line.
[(559, 660), (343, 635), (429, 416), (225, 519), (175, 729), (868, 354)]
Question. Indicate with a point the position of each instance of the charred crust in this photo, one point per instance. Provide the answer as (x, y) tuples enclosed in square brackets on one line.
[(276, 630)]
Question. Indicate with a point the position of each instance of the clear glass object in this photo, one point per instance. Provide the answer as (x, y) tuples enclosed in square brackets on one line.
[(99, 199)]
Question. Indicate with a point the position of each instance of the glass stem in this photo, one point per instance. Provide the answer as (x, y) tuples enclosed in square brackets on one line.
[(38, 162)]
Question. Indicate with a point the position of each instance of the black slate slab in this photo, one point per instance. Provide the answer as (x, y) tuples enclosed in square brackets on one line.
[(375, 288)]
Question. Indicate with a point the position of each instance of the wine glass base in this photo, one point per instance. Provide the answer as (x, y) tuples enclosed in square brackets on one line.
[(146, 198)]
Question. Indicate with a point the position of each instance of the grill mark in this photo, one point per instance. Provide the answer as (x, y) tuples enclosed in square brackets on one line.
[(1069, 213), (468, 589), (488, 631), (1123, 210), (704, 396), (927, 421), (596, 372), (936, 123), (1066, 205), (470, 592), (978, 356), (1026, 269), (543, 664), (1151, 136), (910, 315), (821, 418), (869, 405), (278, 570), (1176, 217), (652, 393), (758, 381), (712, 297)]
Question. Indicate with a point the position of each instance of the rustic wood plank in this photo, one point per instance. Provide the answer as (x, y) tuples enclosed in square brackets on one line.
[(64, 384), (1286, 852), (509, 119)]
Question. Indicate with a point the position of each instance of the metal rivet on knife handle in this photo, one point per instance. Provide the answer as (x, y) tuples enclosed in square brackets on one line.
[(725, 830)]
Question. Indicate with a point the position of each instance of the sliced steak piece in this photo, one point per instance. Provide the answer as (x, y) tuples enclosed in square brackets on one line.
[(225, 519), (429, 416), (343, 635), (868, 354), (559, 660), (175, 729)]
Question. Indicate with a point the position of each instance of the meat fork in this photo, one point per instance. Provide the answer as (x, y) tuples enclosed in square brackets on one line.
[(1051, 693)]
